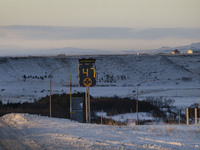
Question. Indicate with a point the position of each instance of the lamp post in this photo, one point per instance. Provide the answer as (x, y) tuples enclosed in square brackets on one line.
[(50, 98), (50, 76), (137, 99)]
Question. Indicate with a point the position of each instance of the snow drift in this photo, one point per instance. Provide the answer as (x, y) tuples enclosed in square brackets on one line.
[(36, 132)]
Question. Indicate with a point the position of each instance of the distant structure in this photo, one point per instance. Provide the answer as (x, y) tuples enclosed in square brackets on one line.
[(191, 51), (175, 52), (61, 55)]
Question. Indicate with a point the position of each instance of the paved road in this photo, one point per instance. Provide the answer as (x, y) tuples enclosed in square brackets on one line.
[(11, 139)]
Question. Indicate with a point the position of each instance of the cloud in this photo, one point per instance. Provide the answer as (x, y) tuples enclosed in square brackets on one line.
[(77, 33)]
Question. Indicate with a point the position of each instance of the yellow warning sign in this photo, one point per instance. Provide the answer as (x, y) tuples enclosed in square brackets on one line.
[(87, 82)]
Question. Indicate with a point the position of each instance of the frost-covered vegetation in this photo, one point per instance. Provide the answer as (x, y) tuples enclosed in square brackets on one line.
[(161, 110)]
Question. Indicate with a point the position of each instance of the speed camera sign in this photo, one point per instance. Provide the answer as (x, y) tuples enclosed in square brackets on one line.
[(87, 72)]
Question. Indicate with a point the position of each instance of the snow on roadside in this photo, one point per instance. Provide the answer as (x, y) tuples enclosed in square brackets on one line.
[(53, 133), (127, 116)]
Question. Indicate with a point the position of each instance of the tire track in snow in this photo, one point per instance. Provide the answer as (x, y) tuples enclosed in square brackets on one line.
[(11, 139)]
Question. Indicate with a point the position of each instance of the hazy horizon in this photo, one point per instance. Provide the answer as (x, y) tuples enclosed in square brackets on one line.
[(91, 24)]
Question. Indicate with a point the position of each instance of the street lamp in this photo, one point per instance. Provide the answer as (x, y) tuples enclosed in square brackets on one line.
[(50, 76), (137, 98)]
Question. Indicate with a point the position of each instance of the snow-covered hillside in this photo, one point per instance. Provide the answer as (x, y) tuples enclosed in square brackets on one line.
[(26, 78), (168, 50), (24, 131)]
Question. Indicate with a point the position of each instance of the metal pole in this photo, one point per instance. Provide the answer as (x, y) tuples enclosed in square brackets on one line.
[(101, 116), (89, 118), (137, 99), (70, 96), (199, 112), (179, 116), (137, 105), (50, 99), (86, 108), (50, 76)]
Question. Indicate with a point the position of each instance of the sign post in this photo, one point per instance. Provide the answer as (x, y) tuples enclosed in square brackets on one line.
[(87, 78)]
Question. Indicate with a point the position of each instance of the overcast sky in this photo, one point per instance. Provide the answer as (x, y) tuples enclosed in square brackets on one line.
[(99, 24)]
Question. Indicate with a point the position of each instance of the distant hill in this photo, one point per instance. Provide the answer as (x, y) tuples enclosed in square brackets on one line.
[(50, 52), (168, 50), (26, 78), (77, 51)]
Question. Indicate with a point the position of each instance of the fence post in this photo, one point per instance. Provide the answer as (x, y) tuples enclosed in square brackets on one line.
[(195, 116), (101, 116), (179, 117), (187, 116)]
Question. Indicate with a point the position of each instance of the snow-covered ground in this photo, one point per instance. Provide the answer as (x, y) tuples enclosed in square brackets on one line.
[(128, 118), (24, 131), (177, 77)]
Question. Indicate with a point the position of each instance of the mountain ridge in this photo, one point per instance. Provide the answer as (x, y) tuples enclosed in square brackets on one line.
[(79, 51)]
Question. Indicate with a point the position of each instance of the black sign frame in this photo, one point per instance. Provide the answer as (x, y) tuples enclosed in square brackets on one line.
[(87, 72)]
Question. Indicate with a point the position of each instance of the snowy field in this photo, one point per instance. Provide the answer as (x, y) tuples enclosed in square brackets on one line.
[(25, 79), (24, 131), (184, 97)]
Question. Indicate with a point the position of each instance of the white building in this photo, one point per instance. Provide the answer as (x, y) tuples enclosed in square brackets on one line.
[(190, 51)]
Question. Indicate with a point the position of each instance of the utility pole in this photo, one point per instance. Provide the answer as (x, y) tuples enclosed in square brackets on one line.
[(137, 99), (50, 76), (179, 116), (50, 99), (70, 96), (199, 113), (137, 105)]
